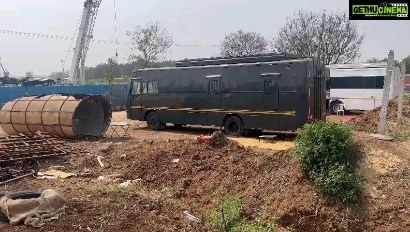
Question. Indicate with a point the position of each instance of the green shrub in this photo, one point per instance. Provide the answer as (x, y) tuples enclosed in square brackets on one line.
[(327, 154), (322, 144), (228, 213), (229, 217), (340, 182)]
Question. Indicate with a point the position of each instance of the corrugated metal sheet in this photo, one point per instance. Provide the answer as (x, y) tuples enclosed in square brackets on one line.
[(117, 93)]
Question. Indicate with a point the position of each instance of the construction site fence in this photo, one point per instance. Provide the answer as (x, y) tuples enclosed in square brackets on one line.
[(115, 93)]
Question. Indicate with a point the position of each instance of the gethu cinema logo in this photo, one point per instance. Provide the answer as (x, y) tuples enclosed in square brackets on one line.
[(380, 10)]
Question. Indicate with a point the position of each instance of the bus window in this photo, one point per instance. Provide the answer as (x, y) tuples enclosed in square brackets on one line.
[(136, 85), (269, 86), (352, 82), (379, 82), (144, 87), (152, 87), (369, 82), (213, 86)]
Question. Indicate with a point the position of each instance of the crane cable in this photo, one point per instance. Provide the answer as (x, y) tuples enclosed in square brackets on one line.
[(115, 29), (71, 43)]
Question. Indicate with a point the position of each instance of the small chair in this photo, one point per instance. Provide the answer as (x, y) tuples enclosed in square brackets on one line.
[(115, 127), (341, 109)]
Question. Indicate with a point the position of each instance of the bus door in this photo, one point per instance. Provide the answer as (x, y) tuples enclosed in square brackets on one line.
[(270, 99), (214, 114), (134, 103), (369, 97)]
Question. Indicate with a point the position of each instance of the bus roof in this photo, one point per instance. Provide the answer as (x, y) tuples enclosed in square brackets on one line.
[(357, 66), (228, 65), (269, 57)]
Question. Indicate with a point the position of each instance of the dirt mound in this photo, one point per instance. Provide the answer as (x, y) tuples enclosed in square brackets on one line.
[(369, 121), (197, 174), (173, 176)]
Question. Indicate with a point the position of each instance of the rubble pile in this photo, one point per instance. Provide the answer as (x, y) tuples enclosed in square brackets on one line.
[(218, 139)]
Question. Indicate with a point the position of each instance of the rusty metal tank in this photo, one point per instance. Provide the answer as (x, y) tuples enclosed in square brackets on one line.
[(64, 115)]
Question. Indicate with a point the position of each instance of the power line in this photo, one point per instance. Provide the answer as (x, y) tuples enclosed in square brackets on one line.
[(49, 36)]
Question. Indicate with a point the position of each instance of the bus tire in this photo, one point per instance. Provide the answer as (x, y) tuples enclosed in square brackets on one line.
[(334, 106), (153, 122), (233, 125)]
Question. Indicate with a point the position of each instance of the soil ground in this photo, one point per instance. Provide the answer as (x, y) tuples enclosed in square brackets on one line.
[(171, 172)]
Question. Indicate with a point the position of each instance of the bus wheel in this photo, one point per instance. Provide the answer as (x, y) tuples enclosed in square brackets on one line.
[(334, 106), (233, 126), (153, 122)]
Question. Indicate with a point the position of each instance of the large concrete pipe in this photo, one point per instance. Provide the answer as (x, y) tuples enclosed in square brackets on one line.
[(63, 115)]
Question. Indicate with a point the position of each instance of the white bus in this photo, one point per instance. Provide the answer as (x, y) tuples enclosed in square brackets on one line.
[(356, 87)]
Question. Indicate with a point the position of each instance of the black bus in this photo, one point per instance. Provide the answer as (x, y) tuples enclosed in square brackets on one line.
[(240, 94)]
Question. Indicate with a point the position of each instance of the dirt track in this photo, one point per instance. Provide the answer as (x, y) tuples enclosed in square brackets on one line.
[(173, 173)]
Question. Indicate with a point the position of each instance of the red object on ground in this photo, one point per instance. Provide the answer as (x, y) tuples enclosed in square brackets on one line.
[(201, 139), (350, 117)]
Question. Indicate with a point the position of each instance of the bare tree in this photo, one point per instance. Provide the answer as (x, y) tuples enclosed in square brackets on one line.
[(242, 43), (332, 36), (151, 41)]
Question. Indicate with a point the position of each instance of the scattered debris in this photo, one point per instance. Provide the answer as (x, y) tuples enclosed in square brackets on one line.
[(52, 174), (191, 217), (271, 137), (59, 167), (99, 161), (127, 183)]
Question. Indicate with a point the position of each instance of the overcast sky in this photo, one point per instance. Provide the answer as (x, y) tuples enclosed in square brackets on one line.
[(190, 22)]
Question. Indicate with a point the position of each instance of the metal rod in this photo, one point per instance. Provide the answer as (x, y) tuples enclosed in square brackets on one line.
[(17, 178)]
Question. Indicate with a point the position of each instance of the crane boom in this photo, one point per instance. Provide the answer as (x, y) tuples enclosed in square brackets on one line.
[(5, 72), (85, 34)]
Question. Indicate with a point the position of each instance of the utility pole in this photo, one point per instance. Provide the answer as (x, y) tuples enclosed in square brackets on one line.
[(386, 93), (401, 92)]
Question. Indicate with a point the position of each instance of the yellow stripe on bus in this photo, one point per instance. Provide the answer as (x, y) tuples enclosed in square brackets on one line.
[(287, 113)]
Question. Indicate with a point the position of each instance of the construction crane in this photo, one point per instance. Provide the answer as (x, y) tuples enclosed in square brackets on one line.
[(85, 34), (5, 72)]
